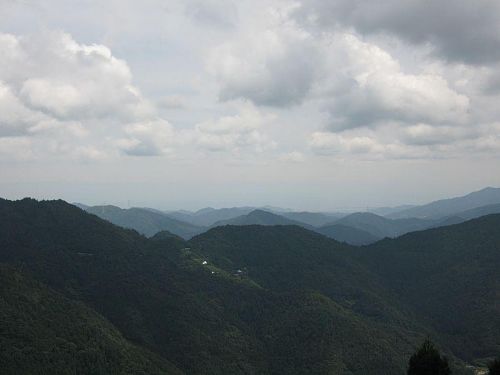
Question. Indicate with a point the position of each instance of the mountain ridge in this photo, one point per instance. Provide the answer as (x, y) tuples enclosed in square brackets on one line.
[(447, 207)]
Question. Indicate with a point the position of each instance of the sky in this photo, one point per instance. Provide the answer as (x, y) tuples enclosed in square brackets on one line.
[(309, 104)]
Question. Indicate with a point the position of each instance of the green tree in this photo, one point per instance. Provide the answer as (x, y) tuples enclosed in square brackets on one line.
[(428, 361), (494, 367)]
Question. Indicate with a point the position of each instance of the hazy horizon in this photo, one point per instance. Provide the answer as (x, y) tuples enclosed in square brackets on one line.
[(144, 204)]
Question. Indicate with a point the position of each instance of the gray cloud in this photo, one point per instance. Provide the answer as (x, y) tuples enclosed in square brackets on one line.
[(214, 13), (274, 67), (241, 131), (458, 30), (149, 138), (368, 87)]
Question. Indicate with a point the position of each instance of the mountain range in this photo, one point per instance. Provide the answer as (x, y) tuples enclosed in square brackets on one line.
[(145, 221), (79, 292), (358, 228), (447, 207)]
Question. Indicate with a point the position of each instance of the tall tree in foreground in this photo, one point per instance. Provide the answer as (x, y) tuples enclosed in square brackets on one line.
[(428, 361), (494, 367)]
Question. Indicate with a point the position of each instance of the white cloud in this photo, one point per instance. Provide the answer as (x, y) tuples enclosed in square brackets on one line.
[(273, 66), (151, 138), (363, 147), (368, 87), (15, 117), (55, 75), (69, 98), (424, 134), (235, 132)]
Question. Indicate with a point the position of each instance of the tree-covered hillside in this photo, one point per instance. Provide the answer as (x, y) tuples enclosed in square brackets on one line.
[(258, 299), (449, 277), (347, 234), (42, 332)]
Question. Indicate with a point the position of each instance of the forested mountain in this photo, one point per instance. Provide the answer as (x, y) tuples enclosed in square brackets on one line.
[(208, 216), (339, 232), (43, 332), (145, 221), (449, 277), (381, 227), (246, 299), (161, 296), (448, 207), (260, 217), (350, 235)]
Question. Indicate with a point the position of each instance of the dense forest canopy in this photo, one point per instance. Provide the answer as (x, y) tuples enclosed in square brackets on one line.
[(240, 299)]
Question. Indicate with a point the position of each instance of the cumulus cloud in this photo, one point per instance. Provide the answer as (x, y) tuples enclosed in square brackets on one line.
[(421, 141), (235, 132), (15, 117), (365, 147), (424, 134), (457, 30), (52, 73), (67, 96), (359, 83), (325, 67), (276, 66), (151, 138), (368, 87)]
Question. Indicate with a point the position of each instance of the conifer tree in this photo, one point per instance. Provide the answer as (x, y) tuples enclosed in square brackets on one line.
[(494, 367), (428, 361)]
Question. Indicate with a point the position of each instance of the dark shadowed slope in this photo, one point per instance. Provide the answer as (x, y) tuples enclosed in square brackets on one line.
[(145, 221), (446, 279), (350, 235), (203, 319), (302, 303), (381, 227), (448, 207), (450, 277), (42, 332), (288, 259), (158, 296)]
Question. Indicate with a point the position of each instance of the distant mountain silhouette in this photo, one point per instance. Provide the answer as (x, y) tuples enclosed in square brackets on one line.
[(260, 217), (315, 219), (208, 216), (385, 211), (145, 221), (381, 227), (448, 207), (350, 235)]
